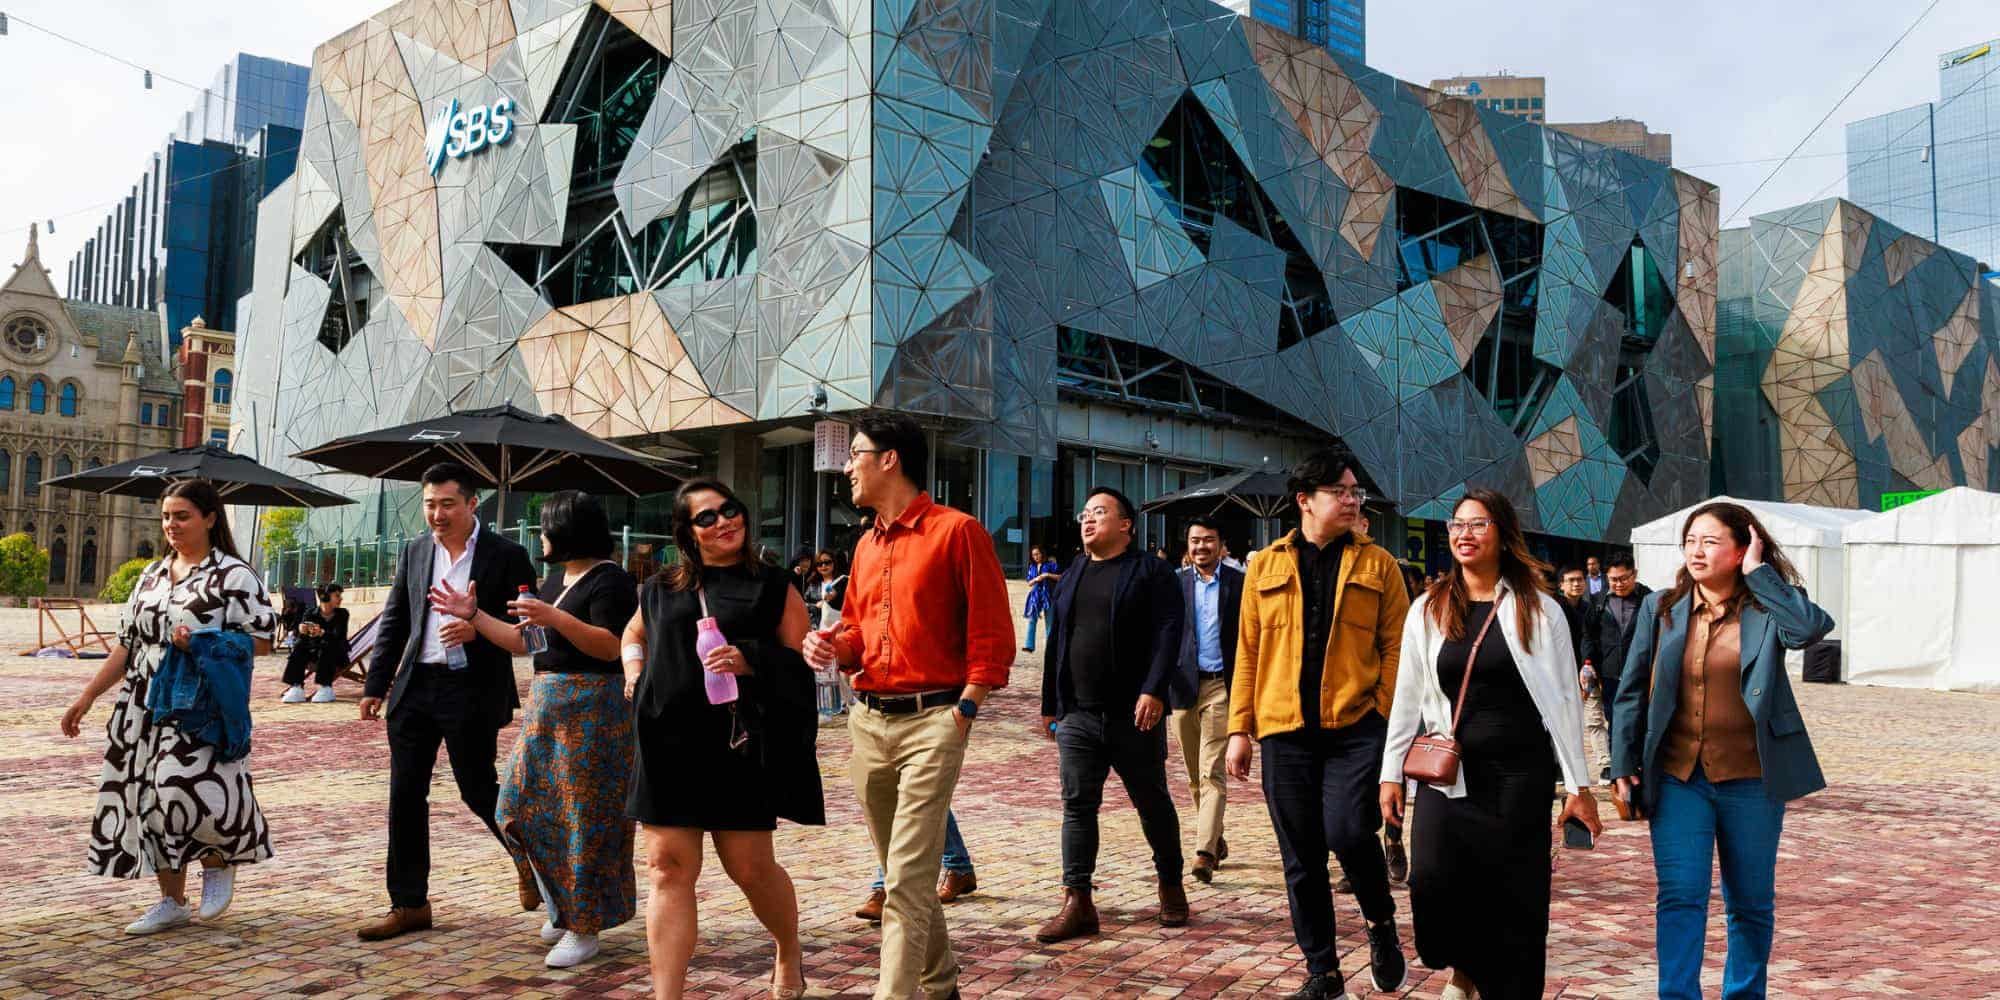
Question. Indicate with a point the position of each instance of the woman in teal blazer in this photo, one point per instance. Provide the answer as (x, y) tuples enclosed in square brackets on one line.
[(1735, 573)]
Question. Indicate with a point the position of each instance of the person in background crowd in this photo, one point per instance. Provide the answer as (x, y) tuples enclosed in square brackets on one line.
[(802, 571), (827, 590), (167, 798), (1314, 682), (1479, 899), (926, 633), (321, 645), (1042, 574), (1706, 731), (562, 799), (1575, 603), (1573, 594), (1112, 673), (1213, 596), (956, 880), (1608, 621), (732, 769), (1593, 576), (440, 681), (1160, 553), (1229, 558)]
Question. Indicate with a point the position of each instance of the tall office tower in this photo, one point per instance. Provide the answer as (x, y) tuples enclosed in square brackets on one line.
[(1520, 96), (181, 239), (1340, 25), (1934, 169)]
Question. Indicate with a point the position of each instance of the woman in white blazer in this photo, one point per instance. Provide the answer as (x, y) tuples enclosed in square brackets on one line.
[(1479, 871)]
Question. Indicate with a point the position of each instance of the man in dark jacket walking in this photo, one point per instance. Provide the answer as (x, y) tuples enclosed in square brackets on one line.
[(1212, 593), (1607, 621), (1113, 668)]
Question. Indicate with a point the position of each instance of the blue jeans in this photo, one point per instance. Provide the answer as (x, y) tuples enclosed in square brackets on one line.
[(956, 857), (1692, 820), (1034, 617)]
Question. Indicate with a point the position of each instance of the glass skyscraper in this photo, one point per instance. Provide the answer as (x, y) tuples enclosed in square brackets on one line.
[(1339, 25), (1934, 169)]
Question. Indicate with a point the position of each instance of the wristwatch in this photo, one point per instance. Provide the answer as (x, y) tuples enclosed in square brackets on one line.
[(968, 708)]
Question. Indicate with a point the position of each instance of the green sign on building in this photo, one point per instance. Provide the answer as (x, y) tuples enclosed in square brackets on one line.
[(1891, 501)]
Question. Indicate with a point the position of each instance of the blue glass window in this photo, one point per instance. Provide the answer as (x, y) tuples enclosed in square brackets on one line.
[(146, 414), (223, 382), (6, 392), (38, 396), (66, 400)]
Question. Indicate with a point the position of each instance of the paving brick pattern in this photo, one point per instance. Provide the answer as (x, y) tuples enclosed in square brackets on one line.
[(1886, 881)]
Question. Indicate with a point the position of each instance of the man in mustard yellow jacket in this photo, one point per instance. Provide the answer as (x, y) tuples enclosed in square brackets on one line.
[(1316, 654)]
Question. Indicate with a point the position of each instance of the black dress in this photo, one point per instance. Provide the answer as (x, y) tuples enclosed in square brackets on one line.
[(684, 770), (1479, 871)]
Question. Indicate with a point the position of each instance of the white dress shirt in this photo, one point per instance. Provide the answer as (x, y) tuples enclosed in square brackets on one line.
[(458, 572)]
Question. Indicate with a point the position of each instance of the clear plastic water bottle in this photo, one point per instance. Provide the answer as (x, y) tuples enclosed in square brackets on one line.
[(708, 638), (535, 636), (454, 657)]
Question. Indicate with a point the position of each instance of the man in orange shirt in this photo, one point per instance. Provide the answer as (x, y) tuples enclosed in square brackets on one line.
[(926, 633)]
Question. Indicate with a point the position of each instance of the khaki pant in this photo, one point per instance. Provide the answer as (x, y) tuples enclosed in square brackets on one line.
[(1596, 737), (1204, 734), (904, 768)]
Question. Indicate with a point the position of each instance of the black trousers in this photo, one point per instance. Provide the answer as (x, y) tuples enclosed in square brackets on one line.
[(1093, 744), (1321, 787), (436, 708), (303, 657)]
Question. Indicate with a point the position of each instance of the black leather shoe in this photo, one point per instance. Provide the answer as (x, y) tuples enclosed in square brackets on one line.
[(1321, 986), (1385, 957)]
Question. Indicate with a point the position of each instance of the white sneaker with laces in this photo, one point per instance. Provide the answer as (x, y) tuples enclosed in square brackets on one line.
[(573, 949), (294, 695), (165, 914), (218, 888), (550, 932), (323, 695)]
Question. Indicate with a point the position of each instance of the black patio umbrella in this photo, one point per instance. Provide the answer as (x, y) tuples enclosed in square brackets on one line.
[(238, 478), (508, 448), (1260, 491)]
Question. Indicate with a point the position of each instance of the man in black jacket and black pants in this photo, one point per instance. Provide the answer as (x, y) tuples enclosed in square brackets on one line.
[(440, 681), (1113, 667)]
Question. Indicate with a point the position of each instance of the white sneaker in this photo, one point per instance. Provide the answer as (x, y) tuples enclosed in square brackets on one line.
[(294, 695), (551, 933), (323, 695), (573, 949), (165, 914), (218, 888)]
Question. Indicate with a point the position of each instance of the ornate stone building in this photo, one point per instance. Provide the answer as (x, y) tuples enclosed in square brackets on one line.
[(81, 385)]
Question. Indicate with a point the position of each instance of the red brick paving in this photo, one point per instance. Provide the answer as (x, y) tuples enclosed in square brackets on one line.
[(1888, 882)]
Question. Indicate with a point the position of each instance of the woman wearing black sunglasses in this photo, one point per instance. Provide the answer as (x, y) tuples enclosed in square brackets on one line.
[(728, 770)]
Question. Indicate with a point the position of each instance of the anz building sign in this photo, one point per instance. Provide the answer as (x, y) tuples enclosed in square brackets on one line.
[(455, 134)]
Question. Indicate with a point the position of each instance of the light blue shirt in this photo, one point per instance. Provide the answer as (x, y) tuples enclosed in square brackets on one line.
[(1208, 621)]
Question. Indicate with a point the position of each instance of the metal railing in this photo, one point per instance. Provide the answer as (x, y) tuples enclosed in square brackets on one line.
[(371, 562)]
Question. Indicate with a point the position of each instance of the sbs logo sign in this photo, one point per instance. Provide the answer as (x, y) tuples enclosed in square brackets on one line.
[(455, 134)]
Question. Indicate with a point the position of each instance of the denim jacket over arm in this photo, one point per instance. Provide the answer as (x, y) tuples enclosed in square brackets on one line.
[(204, 691)]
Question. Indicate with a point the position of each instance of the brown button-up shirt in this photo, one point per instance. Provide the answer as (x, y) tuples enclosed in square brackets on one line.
[(1712, 725)]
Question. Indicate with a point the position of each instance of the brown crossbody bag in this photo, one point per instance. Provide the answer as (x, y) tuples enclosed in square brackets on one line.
[(1434, 758)]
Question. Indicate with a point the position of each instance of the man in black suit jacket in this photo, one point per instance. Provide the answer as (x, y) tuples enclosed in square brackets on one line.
[(1113, 666), (1212, 593), (441, 666)]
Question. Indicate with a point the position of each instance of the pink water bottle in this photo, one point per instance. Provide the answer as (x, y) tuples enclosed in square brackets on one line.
[(708, 638)]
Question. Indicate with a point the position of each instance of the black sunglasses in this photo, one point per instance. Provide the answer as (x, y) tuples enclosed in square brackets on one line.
[(729, 509)]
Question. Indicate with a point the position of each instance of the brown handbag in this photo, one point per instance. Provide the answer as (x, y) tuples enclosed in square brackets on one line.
[(1434, 758)]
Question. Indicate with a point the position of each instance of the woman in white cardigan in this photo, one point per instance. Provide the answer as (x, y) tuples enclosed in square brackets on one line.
[(1479, 871)]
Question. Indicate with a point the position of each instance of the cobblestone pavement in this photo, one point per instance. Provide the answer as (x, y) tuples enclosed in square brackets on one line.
[(1889, 882)]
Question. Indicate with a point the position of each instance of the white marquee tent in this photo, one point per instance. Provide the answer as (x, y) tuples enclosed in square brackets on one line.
[(1810, 536), (1921, 583)]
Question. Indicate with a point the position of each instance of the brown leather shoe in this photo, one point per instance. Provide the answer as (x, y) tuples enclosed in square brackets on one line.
[(1077, 919), (524, 883), (952, 885), (871, 911), (1173, 904), (400, 921), (1221, 850), (1204, 867)]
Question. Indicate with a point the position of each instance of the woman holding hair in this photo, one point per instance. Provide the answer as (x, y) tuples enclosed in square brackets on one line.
[(1480, 878), (562, 799), (1042, 575), (731, 770), (167, 799), (1706, 735)]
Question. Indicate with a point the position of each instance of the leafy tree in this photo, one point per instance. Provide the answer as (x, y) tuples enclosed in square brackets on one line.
[(281, 528), (118, 587), (24, 567)]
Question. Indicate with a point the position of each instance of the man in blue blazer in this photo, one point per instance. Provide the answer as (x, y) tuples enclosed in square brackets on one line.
[(1212, 593), (1113, 667)]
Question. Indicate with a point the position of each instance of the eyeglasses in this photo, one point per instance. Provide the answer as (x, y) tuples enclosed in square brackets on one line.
[(1469, 526), (1346, 494), (854, 453), (826, 562), (730, 509), (1096, 513)]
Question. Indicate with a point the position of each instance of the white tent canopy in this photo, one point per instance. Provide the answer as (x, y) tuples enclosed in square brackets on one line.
[(1809, 535), (1921, 581)]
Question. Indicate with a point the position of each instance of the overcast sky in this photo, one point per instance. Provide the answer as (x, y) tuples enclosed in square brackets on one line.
[(1733, 80)]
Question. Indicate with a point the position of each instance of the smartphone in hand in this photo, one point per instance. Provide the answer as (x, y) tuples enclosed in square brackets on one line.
[(1576, 836)]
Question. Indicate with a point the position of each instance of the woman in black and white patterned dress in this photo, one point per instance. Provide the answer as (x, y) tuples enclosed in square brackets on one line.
[(165, 800)]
